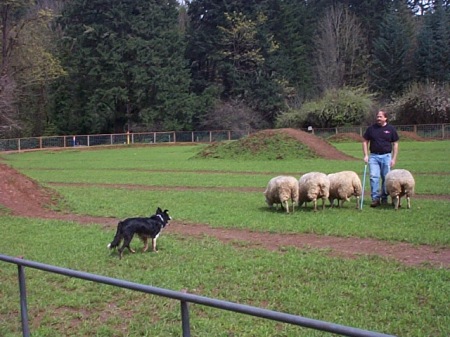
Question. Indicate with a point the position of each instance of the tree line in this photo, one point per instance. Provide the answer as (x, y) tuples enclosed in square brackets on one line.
[(103, 66)]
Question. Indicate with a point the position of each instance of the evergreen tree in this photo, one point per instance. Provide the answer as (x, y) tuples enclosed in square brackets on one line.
[(126, 67), (391, 68), (433, 50), (230, 45), (292, 24)]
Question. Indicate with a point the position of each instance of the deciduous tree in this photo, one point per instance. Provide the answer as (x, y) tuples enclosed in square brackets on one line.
[(341, 55)]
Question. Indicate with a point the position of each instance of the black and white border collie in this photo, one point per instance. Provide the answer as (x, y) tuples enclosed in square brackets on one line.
[(145, 228)]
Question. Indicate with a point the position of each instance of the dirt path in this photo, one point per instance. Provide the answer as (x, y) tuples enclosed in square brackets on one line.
[(24, 197)]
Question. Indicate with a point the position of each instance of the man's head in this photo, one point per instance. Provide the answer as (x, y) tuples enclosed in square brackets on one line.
[(382, 118)]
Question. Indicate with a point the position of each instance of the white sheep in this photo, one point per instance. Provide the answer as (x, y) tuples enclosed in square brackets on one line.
[(343, 185), (399, 183), (313, 186), (280, 190)]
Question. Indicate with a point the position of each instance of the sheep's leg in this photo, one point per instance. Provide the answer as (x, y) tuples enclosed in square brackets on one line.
[(331, 202), (287, 206), (408, 199), (315, 205), (396, 202), (357, 202), (323, 203)]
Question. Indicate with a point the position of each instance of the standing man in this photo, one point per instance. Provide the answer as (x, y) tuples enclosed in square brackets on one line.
[(383, 139)]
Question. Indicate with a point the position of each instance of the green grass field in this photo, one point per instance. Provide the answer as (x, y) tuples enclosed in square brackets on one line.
[(367, 292)]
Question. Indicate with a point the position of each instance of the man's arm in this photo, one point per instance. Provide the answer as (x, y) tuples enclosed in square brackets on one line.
[(394, 153), (365, 147)]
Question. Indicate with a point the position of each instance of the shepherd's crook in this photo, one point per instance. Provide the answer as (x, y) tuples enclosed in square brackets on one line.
[(363, 186)]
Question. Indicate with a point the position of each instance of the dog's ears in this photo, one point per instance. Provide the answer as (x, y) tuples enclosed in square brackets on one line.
[(159, 210), (166, 211)]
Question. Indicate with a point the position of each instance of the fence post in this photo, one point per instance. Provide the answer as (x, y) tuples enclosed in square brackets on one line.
[(185, 324), (23, 302)]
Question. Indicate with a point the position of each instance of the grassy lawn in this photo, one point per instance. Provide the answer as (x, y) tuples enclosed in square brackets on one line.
[(367, 292)]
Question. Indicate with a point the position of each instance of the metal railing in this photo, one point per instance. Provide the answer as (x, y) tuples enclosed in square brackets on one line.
[(428, 131), (184, 299), (74, 141)]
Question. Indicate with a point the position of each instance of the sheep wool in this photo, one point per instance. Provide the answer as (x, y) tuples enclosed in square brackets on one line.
[(344, 185), (313, 186), (399, 183), (280, 190)]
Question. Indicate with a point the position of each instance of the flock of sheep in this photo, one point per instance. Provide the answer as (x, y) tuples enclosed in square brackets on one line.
[(340, 186)]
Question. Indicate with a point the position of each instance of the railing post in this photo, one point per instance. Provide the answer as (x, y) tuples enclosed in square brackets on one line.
[(23, 302), (185, 319)]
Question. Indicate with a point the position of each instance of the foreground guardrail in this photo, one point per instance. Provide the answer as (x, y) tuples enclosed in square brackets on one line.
[(184, 299)]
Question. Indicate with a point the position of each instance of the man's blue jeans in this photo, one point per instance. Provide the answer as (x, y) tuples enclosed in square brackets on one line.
[(379, 166)]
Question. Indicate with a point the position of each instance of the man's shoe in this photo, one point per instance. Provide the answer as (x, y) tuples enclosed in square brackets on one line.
[(384, 201), (375, 203)]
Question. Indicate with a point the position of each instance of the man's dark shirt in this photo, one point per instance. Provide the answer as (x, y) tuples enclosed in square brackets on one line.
[(381, 138)]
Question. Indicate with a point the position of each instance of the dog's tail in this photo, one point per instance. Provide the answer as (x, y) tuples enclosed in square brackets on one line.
[(117, 238)]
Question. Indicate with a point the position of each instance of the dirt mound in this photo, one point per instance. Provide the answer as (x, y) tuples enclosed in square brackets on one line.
[(22, 196), (345, 137), (319, 146), (407, 135), (259, 146), (19, 193)]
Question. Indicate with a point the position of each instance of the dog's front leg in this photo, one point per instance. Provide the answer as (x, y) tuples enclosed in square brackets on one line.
[(145, 244)]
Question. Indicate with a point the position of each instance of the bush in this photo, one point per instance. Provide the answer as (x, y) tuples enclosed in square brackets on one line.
[(422, 103), (337, 107)]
